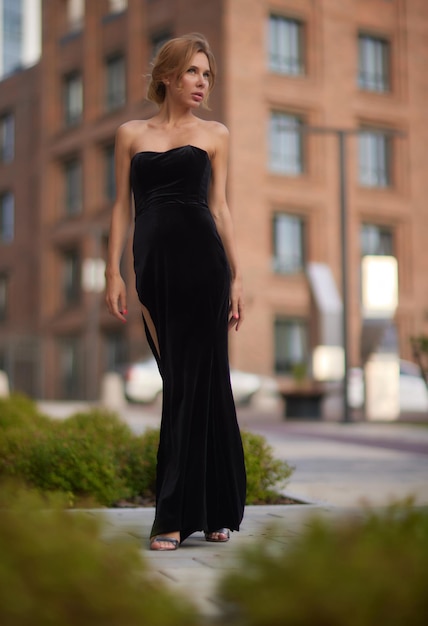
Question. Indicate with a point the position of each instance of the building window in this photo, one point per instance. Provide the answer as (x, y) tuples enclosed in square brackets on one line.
[(116, 354), (158, 41), (69, 368), (285, 144), (115, 83), (377, 240), (285, 45), (75, 14), (109, 174), (7, 217), (291, 345), (73, 99), (7, 138), (71, 283), (116, 6), (288, 243), (375, 156), (373, 63), (73, 186), (4, 286)]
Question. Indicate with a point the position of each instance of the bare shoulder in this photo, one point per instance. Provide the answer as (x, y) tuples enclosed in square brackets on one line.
[(130, 131), (216, 136), (216, 130)]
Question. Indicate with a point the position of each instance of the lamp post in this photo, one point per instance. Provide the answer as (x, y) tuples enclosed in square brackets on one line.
[(341, 134)]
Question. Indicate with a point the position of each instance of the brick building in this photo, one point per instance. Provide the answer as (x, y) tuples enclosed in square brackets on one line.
[(19, 237), (354, 64)]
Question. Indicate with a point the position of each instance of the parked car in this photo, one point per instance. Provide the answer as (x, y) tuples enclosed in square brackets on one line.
[(144, 384), (412, 388)]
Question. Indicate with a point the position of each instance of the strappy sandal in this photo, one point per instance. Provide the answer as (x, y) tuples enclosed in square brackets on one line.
[(174, 542), (221, 531)]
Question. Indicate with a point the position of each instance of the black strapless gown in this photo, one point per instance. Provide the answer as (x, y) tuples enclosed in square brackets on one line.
[(183, 278)]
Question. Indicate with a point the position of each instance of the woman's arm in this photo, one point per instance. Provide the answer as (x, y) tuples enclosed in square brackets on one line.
[(120, 221), (220, 211)]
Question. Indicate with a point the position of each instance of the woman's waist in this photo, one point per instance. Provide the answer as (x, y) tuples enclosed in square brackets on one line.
[(171, 204)]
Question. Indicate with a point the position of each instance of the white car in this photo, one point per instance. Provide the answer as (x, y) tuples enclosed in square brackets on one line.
[(413, 390), (143, 383)]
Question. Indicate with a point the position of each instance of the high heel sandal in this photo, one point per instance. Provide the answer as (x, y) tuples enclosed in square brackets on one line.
[(173, 542), (209, 536)]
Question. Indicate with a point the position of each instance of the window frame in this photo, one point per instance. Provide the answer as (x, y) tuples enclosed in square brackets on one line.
[(286, 366), (70, 378), (283, 160), (292, 63), (114, 97), (7, 222), (73, 102), (4, 296), (375, 159), (383, 230), (75, 15), (73, 186), (71, 276), (7, 137), (117, 6), (376, 79), (282, 265)]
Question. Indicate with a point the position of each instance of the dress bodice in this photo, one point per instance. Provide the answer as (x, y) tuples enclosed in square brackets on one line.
[(177, 176)]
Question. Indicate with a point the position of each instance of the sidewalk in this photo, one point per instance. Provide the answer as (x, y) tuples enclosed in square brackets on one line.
[(338, 467)]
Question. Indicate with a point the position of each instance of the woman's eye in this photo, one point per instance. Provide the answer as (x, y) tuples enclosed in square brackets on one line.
[(191, 70), (207, 75)]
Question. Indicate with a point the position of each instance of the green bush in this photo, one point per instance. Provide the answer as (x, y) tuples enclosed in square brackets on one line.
[(138, 464), (359, 573), (95, 458), (265, 474), (18, 411), (55, 570)]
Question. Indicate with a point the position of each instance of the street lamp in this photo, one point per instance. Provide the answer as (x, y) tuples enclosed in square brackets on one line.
[(341, 134)]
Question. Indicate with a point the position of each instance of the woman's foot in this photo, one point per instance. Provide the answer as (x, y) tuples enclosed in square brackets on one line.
[(165, 542), (218, 536)]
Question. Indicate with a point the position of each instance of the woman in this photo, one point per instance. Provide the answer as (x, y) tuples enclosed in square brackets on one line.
[(189, 284)]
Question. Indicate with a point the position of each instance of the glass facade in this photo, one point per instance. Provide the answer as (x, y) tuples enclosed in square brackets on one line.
[(12, 19)]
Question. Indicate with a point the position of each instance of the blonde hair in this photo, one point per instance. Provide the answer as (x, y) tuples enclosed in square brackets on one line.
[(175, 57)]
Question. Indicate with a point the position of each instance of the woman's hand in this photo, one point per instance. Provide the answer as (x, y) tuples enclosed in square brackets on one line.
[(116, 296), (236, 307)]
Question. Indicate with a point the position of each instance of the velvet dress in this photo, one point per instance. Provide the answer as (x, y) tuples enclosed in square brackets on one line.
[(183, 279)]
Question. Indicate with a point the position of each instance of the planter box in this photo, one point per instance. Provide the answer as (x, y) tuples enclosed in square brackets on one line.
[(304, 403)]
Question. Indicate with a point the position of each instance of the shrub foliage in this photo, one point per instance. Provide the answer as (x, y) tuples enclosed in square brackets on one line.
[(94, 457), (55, 570), (359, 573)]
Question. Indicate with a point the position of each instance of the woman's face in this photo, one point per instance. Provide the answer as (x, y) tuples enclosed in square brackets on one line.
[(191, 89)]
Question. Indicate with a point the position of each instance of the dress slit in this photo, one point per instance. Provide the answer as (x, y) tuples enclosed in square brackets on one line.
[(151, 333)]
